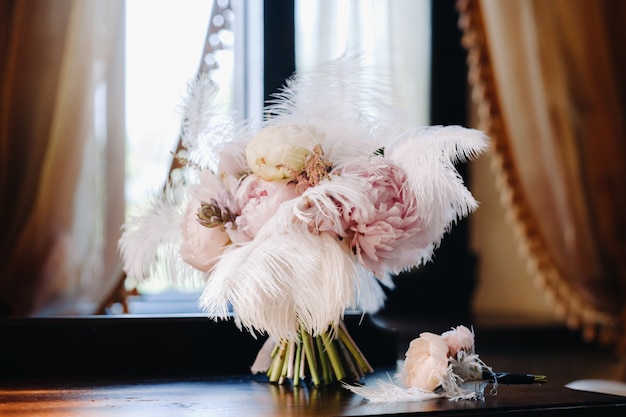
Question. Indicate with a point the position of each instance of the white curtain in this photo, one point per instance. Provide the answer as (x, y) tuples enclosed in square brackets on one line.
[(550, 86), (61, 154), (394, 34)]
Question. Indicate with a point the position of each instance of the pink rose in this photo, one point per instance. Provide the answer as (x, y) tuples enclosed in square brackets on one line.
[(258, 200), (426, 362), (201, 245), (460, 338)]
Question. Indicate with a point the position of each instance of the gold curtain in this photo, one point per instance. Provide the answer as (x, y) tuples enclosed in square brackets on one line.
[(61, 144), (549, 80)]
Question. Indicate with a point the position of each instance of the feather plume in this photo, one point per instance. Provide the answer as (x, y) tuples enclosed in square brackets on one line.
[(428, 156), (274, 283), (198, 109), (388, 392), (343, 94), (319, 206), (206, 131), (150, 241), (368, 291)]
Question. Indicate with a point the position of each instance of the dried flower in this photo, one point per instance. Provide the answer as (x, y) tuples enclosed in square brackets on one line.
[(315, 170), (213, 215)]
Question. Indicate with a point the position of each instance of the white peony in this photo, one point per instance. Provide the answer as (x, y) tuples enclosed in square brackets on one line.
[(426, 362), (278, 152)]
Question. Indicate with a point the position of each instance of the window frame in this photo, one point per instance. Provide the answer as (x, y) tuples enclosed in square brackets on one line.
[(191, 343)]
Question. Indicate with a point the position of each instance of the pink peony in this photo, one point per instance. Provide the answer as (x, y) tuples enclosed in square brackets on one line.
[(258, 200), (460, 338), (201, 245), (426, 362), (385, 234)]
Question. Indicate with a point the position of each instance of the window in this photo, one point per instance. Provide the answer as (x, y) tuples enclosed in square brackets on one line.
[(167, 43), (256, 85), (163, 43), (395, 34)]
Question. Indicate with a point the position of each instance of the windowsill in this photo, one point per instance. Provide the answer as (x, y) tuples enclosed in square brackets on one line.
[(151, 345), (164, 303)]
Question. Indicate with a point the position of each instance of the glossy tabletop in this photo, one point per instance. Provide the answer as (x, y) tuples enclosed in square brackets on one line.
[(249, 396)]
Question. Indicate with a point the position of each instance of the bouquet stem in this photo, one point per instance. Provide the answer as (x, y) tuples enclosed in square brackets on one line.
[(323, 359)]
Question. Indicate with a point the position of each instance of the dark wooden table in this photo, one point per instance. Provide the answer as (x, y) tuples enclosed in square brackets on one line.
[(48, 368), (249, 396)]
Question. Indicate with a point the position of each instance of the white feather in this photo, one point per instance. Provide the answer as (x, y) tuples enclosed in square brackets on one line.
[(198, 109), (150, 241), (345, 97), (388, 392), (206, 130), (428, 156), (369, 293), (321, 204), (278, 281)]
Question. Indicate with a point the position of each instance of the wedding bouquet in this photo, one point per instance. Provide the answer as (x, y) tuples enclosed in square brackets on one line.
[(293, 219)]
